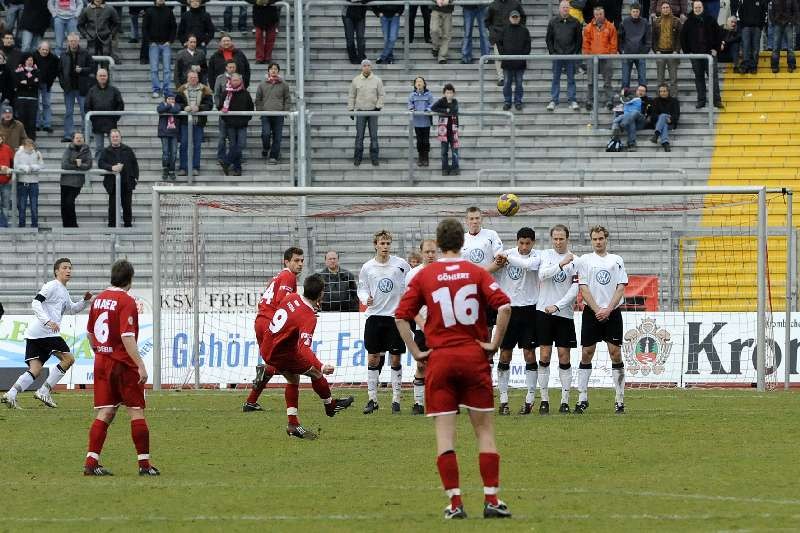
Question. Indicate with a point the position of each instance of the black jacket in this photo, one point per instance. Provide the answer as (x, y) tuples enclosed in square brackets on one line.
[(515, 40), (700, 35), (564, 36), (158, 25), (13, 56), (216, 65), (784, 12), (241, 101), (69, 79), (71, 153), (265, 14), (669, 105), (198, 23), (36, 17), (48, 68), (752, 13), (497, 17), (106, 98), (27, 83), (7, 84), (184, 61), (355, 10), (388, 11), (112, 155)]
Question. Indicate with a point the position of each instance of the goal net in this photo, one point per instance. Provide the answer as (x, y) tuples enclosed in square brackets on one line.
[(691, 309)]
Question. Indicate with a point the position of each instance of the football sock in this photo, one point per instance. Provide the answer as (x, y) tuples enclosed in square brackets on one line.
[(322, 388), (490, 473), (618, 377), (141, 440), (56, 373), (447, 463), (97, 436), (397, 382), (292, 395), (503, 375), (373, 372), (565, 376), (22, 383), (584, 373), (255, 393), (419, 391), (531, 378)]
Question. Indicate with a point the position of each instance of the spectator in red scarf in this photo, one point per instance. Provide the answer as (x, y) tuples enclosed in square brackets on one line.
[(234, 98)]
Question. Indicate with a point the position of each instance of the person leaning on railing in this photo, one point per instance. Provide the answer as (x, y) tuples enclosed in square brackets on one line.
[(121, 159), (77, 156)]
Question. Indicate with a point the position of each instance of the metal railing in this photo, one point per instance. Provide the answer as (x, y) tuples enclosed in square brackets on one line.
[(226, 3), (89, 173), (406, 16), (411, 115), (595, 59), (580, 172), (190, 140)]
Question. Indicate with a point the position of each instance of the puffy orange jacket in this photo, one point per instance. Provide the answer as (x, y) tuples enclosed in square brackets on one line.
[(599, 40)]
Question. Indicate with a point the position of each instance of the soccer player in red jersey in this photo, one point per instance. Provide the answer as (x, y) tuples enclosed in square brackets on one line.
[(458, 372), (289, 353), (119, 372), (285, 282)]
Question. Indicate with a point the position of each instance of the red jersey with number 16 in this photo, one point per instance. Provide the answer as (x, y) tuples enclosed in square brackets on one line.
[(457, 294), (283, 283), (113, 315), (292, 329)]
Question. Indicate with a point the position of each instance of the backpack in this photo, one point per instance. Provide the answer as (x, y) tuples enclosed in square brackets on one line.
[(614, 145)]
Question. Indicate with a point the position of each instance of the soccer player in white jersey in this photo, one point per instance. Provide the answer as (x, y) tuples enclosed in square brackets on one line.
[(558, 288), (517, 275), (602, 280), (481, 245), (381, 283), (428, 253), (42, 337)]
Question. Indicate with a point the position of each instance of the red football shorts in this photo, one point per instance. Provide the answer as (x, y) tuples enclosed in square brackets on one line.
[(294, 363), (116, 384), (458, 376), (261, 324)]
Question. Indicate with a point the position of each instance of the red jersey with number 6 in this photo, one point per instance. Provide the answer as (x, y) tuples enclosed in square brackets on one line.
[(283, 283), (292, 329), (113, 315), (457, 294)]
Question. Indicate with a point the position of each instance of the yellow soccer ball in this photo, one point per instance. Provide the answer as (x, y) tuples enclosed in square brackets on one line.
[(508, 205)]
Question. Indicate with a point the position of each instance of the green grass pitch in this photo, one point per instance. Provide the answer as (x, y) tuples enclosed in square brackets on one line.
[(702, 460)]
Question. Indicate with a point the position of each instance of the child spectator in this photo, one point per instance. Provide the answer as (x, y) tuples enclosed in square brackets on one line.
[(6, 164), (168, 133), (29, 162), (664, 114), (447, 107), (26, 103), (420, 101)]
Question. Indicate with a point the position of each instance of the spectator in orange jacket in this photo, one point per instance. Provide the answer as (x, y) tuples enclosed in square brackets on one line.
[(600, 37)]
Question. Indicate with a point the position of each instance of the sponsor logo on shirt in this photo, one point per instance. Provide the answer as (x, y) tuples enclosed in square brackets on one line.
[(514, 272), (476, 255), (603, 277), (385, 285)]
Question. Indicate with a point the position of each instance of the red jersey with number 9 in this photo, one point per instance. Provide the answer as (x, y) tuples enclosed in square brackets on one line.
[(113, 315), (285, 282), (457, 294), (292, 329)]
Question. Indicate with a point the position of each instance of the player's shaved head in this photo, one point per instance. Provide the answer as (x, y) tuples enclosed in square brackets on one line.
[(121, 273), (313, 287), (450, 235)]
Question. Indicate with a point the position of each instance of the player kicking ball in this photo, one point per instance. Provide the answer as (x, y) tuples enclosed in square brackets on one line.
[(428, 250), (289, 352), (602, 280), (119, 372), (555, 325), (285, 282), (42, 338), (381, 283), (458, 372)]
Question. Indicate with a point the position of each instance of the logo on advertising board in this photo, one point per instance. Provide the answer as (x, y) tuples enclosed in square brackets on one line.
[(646, 348)]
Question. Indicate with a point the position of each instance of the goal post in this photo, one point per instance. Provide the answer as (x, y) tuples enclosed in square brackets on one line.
[(214, 248)]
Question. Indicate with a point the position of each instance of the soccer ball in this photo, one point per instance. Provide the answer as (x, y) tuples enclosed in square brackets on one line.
[(508, 205)]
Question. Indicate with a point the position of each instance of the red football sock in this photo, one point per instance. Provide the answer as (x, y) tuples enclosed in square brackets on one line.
[(141, 439), (447, 463), (322, 388), (490, 473), (292, 395), (255, 393), (97, 436)]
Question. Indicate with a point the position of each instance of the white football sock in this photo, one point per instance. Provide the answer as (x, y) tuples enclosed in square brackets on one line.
[(56, 373), (419, 391), (397, 383), (372, 384), (583, 383), (22, 384), (618, 377), (544, 382), (565, 376), (503, 375), (531, 378)]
